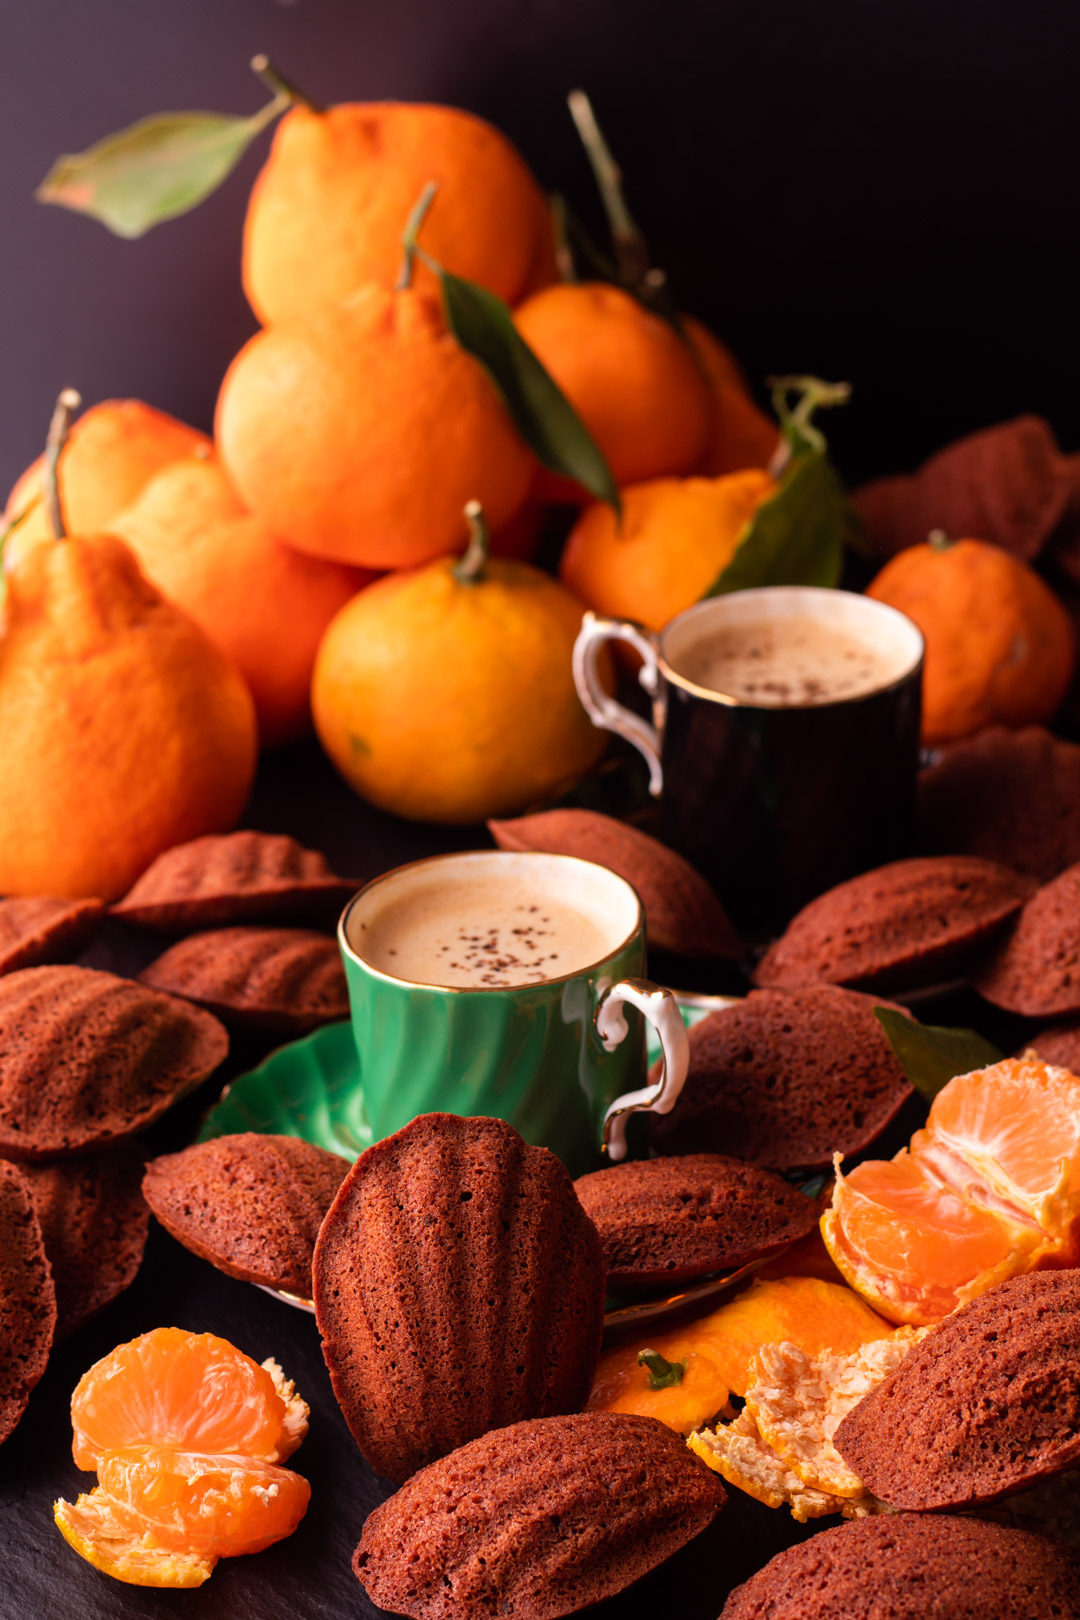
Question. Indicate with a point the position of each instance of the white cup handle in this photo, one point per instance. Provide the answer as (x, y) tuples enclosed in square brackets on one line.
[(662, 1011), (602, 709)]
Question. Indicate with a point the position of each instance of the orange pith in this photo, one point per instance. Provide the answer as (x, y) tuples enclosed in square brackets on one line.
[(177, 1389), (989, 1188), (186, 1433)]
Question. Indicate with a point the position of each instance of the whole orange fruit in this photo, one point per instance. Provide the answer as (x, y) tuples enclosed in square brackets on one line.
[(125, 730), (264, 604), (676, 537), (444, 699), (328, 210), (741, 435), (111, 452), (360, 434), (999, 644), (632, 379)]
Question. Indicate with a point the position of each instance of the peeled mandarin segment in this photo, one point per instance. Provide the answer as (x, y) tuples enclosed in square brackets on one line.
[(220, 1506), (718, 1350), (98, 1532), (1017, 1126), (173, 1388), (916, 1249)]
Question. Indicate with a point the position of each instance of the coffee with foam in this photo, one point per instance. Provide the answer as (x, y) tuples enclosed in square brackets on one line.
[(489, 922)]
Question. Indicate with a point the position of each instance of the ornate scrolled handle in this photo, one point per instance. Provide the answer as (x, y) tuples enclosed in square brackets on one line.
[(601, 708), (662, 1011)]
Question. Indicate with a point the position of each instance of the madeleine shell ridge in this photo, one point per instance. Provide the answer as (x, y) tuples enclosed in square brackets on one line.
[(537, 1520), (94, 1223), (87, 1058), (237, 877), (988, 1404), (288, 980), (913, 1566), (458, 1286), (249, 1204), (27, 1297)]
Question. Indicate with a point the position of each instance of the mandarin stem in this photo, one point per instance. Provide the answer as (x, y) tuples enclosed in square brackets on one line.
[(65, 408), (628, 239), (262, 66), (410, 248), (469, 570)]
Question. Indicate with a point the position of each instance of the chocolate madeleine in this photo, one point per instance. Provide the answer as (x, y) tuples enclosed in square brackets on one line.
[(1009, 796), (27, 1298), (252, 1205), (785, 1079), (988, 1403), (87, 1058), (35, 930), (681, 912), (902, 925), (459, 1286), (913, 1566), (1036, 968), (94, 1223), (1058, 1045), (537, 1520), (283, 980), (235, 878), (667, 1220)]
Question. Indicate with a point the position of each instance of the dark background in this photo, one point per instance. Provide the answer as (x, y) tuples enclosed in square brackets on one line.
[(880, 191)]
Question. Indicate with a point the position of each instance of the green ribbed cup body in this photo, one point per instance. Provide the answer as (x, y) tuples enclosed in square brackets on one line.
[(528, 1054)]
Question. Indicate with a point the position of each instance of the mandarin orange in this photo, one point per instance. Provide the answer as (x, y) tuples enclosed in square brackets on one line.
[(264, 604), (125, 729), (218, 1505), (360, 434), (187, 1434), (999, 645), (676, 537), (741, 434), (989, 1188), (173, 1388), (445, 693), (328, 210), (112, 452), (632, 379)]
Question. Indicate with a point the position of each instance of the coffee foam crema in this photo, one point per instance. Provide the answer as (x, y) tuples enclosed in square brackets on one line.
[(792, 647), (491, 920)]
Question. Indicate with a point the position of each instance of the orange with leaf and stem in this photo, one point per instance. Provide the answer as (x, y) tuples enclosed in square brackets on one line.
[(326, 210)]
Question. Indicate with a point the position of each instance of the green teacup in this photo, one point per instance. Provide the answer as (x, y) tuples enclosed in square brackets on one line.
[(496, 983)]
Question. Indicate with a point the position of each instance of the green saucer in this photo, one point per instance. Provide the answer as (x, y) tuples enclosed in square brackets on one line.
[(312, 1088)]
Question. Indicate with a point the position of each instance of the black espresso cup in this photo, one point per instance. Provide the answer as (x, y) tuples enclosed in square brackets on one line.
[(784, 738)]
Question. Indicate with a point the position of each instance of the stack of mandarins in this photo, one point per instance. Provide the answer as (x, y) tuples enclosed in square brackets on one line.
[(352, 432)]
